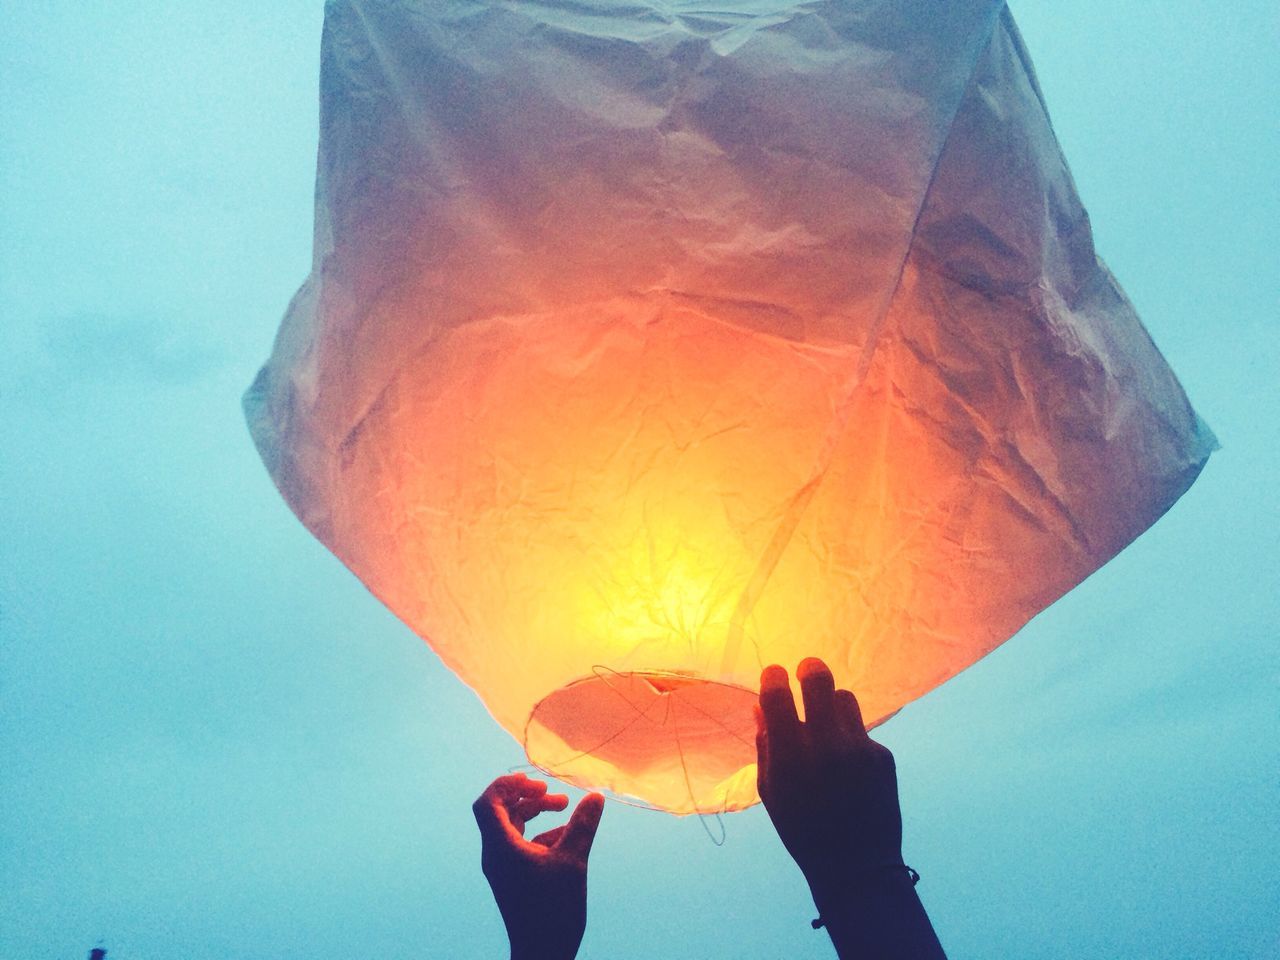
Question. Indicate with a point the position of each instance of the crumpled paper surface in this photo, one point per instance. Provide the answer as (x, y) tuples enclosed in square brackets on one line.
[(648, 342)]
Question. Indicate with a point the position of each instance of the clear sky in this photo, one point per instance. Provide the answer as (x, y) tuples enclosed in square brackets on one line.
[(215, 743)]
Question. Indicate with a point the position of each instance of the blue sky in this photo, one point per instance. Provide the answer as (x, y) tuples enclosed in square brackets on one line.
[(214, 742)]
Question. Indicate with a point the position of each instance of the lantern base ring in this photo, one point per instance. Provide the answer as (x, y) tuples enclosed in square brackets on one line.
[(667, 740)]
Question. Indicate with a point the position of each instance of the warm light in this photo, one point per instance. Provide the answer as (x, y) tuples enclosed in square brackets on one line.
[(627, 368)]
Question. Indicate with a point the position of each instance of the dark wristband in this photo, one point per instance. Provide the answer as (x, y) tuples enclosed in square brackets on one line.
[(868, 878)]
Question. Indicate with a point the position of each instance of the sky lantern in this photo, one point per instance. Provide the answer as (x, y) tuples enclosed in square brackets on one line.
[(650, 342)]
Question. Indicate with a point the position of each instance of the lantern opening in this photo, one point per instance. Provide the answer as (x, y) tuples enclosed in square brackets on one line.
[(681, 742)]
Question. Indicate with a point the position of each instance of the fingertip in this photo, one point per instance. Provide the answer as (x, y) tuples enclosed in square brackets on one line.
[(812, 667), (555, 801), (777, 701), (590, 808), (774, 682), (849, 713), (585, 818), (774, 675), (847, 697)]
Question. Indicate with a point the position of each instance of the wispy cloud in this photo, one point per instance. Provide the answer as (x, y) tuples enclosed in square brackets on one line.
[(89, 347)]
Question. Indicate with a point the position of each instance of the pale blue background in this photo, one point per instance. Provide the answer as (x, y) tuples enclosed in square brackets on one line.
[(215, 743)]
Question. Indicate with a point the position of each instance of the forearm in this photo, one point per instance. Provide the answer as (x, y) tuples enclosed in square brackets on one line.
[(880, 920)]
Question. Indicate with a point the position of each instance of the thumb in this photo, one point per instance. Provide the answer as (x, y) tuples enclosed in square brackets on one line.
[(580, 831)]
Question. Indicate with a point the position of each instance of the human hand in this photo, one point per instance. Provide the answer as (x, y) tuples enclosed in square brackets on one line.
[(830, 790), (540, 884)]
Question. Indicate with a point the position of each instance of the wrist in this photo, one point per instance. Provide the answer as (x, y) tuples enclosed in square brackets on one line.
[(835, 891), (545, 937), (877, 915)]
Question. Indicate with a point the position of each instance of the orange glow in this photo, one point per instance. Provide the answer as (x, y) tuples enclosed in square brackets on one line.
[(598, 495), (616, 400)]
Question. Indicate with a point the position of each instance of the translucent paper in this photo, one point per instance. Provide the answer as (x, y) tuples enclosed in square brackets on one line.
[(647, 343)]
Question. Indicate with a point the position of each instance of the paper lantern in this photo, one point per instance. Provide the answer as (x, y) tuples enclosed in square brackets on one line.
[(647, 343)]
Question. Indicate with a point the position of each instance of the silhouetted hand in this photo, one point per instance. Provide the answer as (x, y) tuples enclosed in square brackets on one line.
[(540, 884), (830, 789), (832, 794)]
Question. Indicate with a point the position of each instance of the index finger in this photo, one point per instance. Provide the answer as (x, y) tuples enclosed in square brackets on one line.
[(492, 816), (515, 786), (494, 806), (781, 723)]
